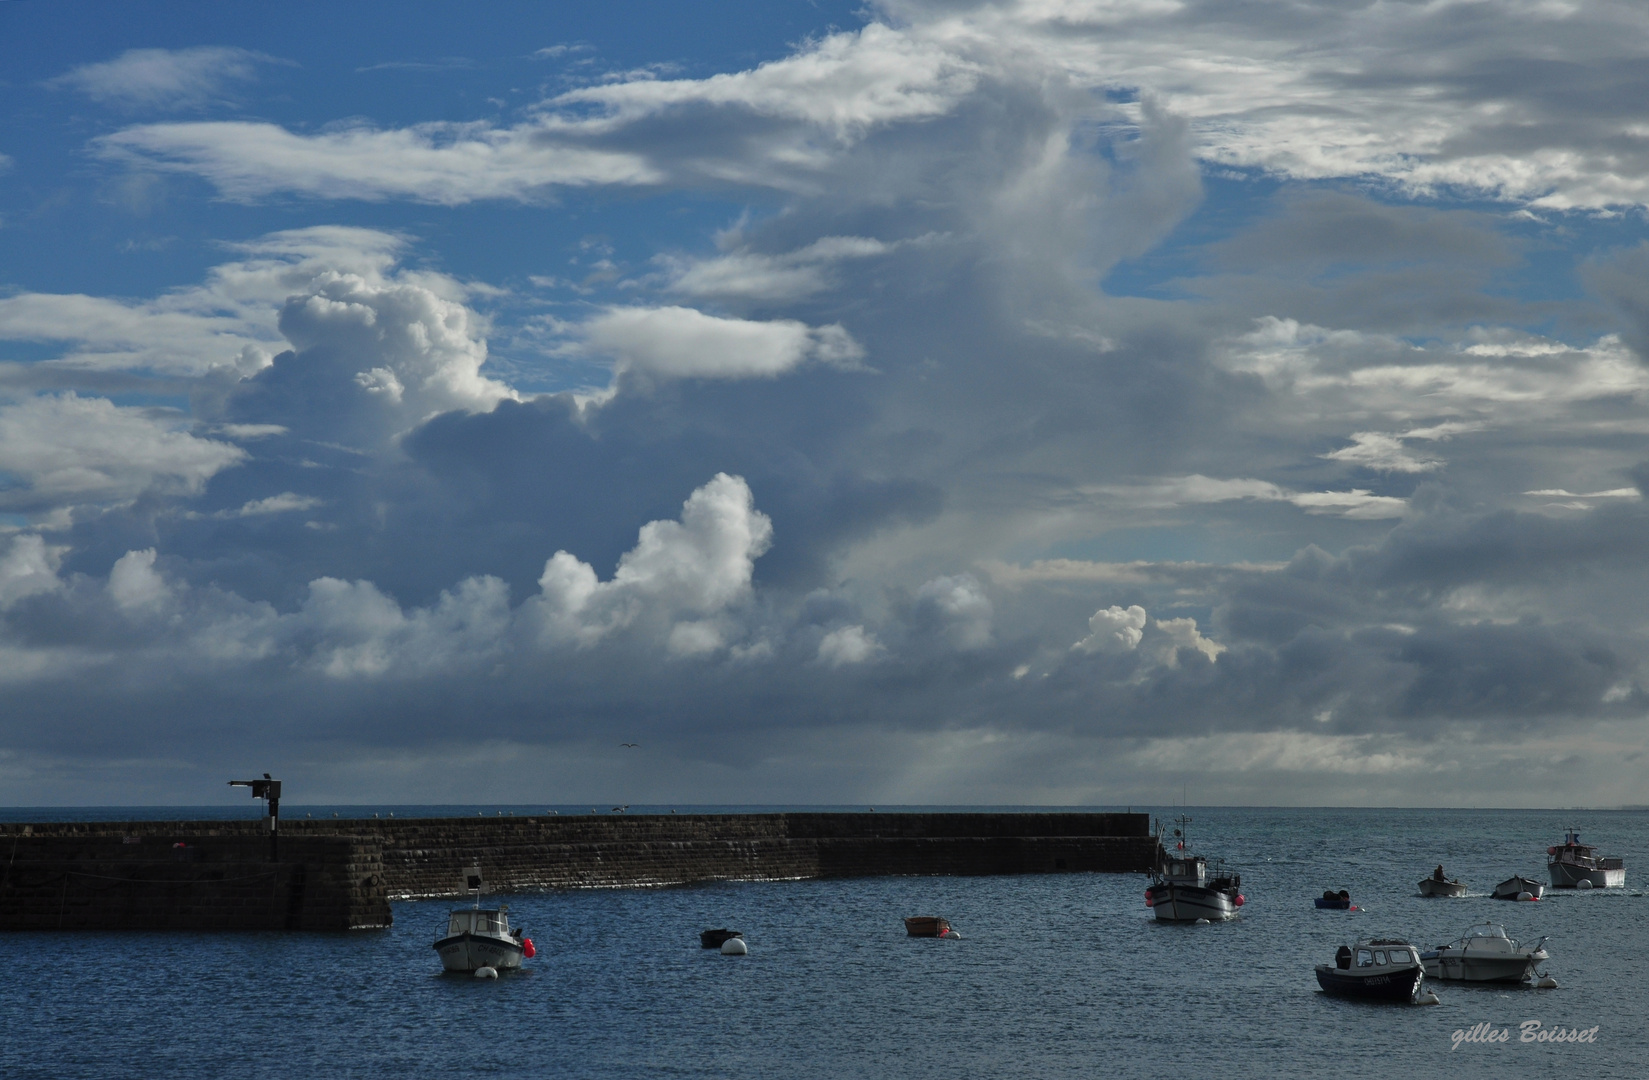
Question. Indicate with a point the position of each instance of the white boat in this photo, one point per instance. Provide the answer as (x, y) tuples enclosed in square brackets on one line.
[(1515, 887), (1573, 862), (1484, 953), (1182, 890), (1439, 884), (478, 937)]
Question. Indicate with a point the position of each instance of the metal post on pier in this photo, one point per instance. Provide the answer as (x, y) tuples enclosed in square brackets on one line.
[(270, 792)]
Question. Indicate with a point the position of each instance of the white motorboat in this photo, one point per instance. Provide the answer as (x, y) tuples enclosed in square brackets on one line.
[(1183, 890), (1517, 887), (1484, 953), (1572, 863), (478, 937)]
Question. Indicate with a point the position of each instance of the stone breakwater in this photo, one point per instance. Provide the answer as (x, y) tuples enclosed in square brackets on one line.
[(342, 873)]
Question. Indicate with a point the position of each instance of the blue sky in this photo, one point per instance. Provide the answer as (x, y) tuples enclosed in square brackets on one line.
[(1005, 402)]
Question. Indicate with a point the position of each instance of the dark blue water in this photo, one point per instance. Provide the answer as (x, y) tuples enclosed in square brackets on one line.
[(1057, 976)]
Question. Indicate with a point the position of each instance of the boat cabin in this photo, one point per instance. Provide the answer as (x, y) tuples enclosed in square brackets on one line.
[(1574, 853), (473, 921), (1376, 954), (1186, 870)]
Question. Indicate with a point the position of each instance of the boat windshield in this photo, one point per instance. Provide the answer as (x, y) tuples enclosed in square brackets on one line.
[(478, 922), (1365, 958)]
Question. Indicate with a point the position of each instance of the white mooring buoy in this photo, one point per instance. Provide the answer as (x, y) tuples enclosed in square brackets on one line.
[(486, 973), (1584, 883), (1200, 922), (1546, 983), (1427, 997), (735, 947), (1525, 896)]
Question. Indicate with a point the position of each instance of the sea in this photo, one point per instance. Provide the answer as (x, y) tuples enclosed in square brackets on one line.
[(1055, 975)]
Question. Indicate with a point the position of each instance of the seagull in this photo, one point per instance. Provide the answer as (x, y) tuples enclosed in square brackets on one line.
[(621, 809), (629, 744)]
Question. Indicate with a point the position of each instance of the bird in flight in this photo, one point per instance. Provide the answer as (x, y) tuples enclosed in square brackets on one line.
[(621, 809), (629, 744)]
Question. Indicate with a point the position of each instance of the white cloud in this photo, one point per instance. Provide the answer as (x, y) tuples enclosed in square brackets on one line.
[(678, 573), (848, 645), (1197, 489), (1183, 634), (229, 321), (679, 342), (28, 567), (749, 275), (1398, 92), (164, 78), (136, 585), (69, 450), (1114, 629), (447, 164), (962, 609), (1382, 452)]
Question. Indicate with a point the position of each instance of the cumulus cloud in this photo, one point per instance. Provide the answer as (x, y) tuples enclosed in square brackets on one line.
[(227, 322), (1114, 629), (164, 78), (848, 645), (677, 574), (678, 342)]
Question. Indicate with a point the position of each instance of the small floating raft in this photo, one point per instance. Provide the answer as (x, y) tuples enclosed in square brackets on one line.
[(926, 926), (715, 939)]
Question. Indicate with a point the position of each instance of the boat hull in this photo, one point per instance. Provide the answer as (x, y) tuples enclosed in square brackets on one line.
[(468, 952), (1504, 969), (1433, 887), (1188, 903), (1511, 888), (1394, 986), (1569, 876)]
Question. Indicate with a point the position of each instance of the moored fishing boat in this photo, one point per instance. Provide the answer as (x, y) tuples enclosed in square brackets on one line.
[(1377, 969), (1183, 889), (1574, 865)]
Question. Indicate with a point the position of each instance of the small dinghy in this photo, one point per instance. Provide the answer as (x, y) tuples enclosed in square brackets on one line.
[(1519, 888), (1484, 953), (1440, 884), (1377, 969), (926, 926), (1334, 901), (715, 939)]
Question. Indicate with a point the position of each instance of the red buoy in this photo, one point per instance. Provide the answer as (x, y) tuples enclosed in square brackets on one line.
[(1240, 901), (526, 948)]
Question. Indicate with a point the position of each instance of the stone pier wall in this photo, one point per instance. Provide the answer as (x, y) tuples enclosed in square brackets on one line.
[(341, 873)]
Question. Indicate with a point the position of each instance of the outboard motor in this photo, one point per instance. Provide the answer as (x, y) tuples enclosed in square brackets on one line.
[(1342, 957)]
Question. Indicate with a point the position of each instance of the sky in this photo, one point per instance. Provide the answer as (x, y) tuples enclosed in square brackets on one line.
[(1069, 402)]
